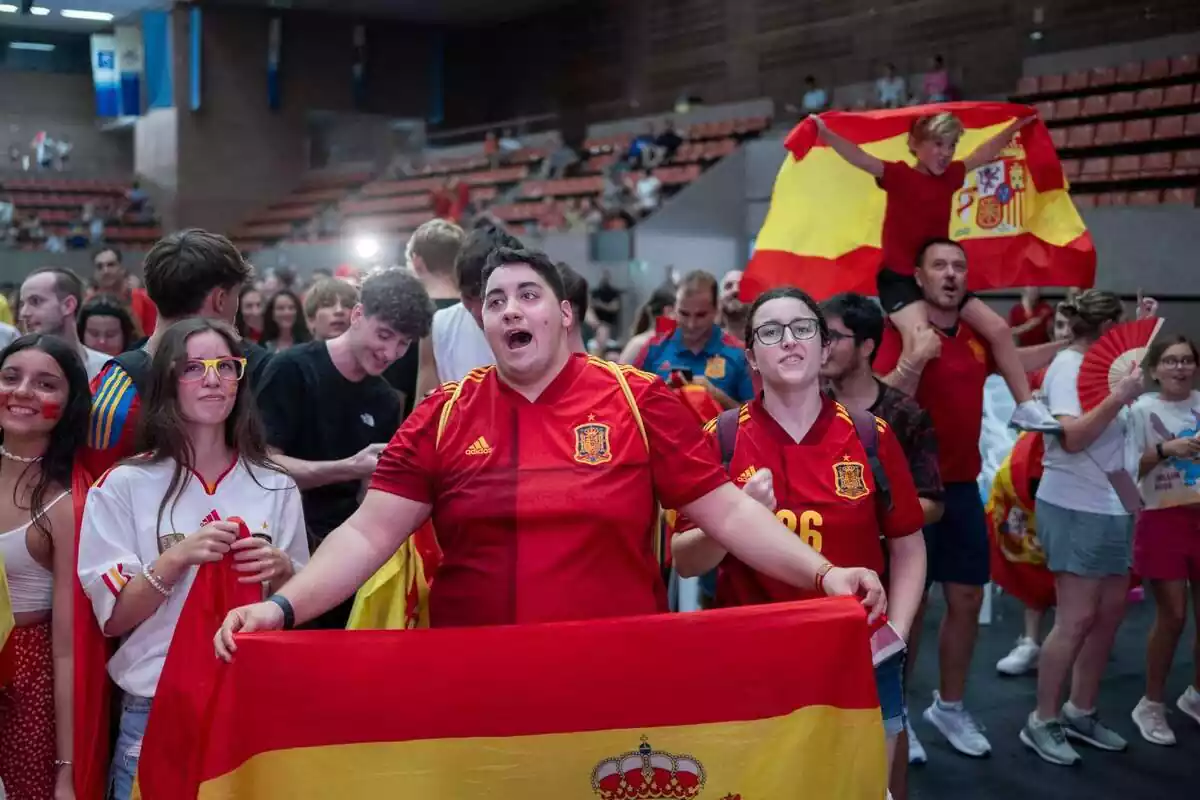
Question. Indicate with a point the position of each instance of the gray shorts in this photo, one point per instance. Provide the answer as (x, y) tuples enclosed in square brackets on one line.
[(1085, 544)]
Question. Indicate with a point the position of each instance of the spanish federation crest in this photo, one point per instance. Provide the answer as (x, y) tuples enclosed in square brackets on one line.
[(849, 480), (714, 368), (646, 773), (591, 444), (995, 198)]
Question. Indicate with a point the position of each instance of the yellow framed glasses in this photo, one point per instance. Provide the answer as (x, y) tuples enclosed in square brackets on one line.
[(226, 369)]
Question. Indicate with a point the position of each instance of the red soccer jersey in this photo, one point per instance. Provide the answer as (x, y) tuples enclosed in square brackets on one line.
[(951, 390), (824, 491), (1039, 334), (919, 208), (545, 510)]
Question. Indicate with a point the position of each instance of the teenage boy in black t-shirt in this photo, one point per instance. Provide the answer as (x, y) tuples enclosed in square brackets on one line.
[(327, 410)]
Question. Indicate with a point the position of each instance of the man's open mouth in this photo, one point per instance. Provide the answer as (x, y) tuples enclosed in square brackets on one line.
[(517, 339)]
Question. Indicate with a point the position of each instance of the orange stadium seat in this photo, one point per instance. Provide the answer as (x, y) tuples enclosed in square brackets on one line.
[(1027, 85), (1185, 196), (1076, 80), (1108, 133), (1191, 127), (1081, 136), (303, 196), (1071, 168), (1138, 130), (1084, 200), (1102, 76), (1146, 197), (1185, 65), (1156, 165), (1058, 136), (1051, 83), (1186, 162), (1130, 72), (382, 223), (1094, 105), (1045, 110), (286, 214), (275, 230), (1149, 99), (1169, 127), (1095, 169), (1176, 96), (1121, 102), (1067, 108), (1125, 167), (1156, 70), (410, 202)]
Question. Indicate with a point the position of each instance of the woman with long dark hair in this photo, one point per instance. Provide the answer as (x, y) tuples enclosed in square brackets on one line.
[(1166, 542), (283, 322), (251, 307), (44, 407), (106, 326), (150, 522), (1086, 528)]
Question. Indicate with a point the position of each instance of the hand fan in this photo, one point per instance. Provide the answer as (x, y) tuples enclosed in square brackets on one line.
[(1111, 358)]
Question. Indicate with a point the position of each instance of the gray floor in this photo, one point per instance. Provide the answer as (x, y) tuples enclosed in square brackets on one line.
[(1012, 772)]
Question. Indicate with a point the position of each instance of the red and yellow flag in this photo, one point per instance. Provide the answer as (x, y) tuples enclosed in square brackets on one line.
[(1014, 216), (1018, 560), (766, 701)]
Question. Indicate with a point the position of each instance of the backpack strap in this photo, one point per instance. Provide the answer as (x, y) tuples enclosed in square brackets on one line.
[(866, 426), (727, 425)]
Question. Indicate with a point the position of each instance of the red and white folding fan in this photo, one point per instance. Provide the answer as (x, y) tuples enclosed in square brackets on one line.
[(1111, 357)]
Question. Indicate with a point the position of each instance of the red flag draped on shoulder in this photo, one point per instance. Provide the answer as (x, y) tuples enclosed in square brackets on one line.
[(1013, 215), (566, 711), (92, 692)]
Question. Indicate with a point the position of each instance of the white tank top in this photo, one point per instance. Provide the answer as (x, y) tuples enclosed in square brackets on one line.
[(458, 343), (30, 585)]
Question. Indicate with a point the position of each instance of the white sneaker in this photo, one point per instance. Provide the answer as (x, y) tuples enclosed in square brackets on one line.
[(1151, 721), (1033, 415), (959, 727), (916, 751), (1021, 660), (1189, 703)]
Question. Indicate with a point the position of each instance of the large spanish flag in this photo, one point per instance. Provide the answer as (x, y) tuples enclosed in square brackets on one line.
[(767, 702), (1013, 215)]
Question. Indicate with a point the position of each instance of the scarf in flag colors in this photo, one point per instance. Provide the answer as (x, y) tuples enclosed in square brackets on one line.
[(1013, 215), (767, 701)]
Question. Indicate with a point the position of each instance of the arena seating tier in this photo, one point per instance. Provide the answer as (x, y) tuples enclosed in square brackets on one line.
[(58, 204)]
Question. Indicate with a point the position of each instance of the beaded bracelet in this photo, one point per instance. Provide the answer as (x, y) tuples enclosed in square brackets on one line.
[(155, 581)]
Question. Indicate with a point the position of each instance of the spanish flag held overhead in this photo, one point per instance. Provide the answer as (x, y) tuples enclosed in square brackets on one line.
[(1013, 215), (764, 702)]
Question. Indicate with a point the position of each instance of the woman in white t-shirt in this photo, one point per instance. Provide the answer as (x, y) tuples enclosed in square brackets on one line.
[(1165, 430), (1086, 532), (151, 522)]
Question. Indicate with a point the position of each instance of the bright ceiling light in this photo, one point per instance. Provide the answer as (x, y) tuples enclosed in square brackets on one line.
[(5, 8), (41, 47), (38, 11), (96, 16), (366, 246)]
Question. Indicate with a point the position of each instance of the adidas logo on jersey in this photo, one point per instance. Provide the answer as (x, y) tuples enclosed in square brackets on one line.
[(746, 475), (479, 447), (213, 516)]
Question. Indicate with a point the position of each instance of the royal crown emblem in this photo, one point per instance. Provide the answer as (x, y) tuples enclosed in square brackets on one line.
[(647, 773)]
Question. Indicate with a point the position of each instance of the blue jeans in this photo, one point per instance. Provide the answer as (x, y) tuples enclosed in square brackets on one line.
[(889, 682), (135, 711)]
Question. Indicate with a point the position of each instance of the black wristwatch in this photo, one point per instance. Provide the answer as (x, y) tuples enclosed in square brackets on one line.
[(1158, 449), (289, 613)]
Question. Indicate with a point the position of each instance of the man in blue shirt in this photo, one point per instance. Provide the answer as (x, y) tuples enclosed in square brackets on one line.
[(696, 349)]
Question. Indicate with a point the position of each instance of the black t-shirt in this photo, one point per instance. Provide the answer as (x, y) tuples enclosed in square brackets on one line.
[(605, 293), (402, 374), (312, 412)]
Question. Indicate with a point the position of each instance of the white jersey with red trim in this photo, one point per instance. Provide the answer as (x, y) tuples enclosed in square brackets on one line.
[(121, 533)]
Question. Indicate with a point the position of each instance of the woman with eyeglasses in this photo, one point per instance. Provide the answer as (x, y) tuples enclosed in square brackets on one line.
[(799, 453), (1166, 545), (150, 522)]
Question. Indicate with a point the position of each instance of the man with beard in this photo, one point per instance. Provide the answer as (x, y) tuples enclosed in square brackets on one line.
[(111, 277), (954, 363), (733, 310)]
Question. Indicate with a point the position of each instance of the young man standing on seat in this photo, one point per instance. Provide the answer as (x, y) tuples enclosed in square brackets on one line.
[(919, 208)]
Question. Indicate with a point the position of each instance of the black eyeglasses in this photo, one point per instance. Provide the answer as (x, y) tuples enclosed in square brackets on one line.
[(1172, 362), (771, 333)]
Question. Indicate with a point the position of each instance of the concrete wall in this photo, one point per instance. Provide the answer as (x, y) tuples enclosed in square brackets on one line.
[(156, 161), (63, 105)]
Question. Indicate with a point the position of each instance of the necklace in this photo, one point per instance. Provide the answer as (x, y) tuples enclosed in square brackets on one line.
[(22, 459)]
